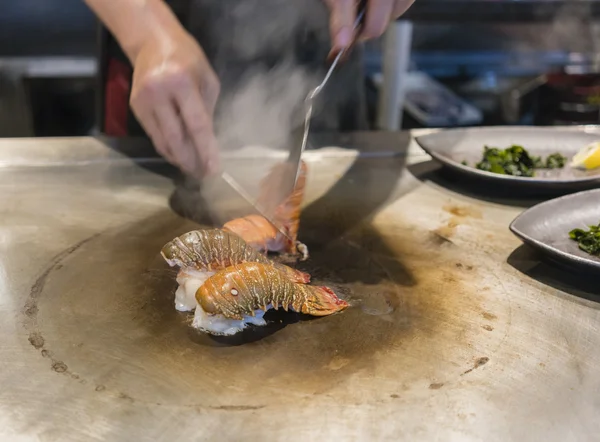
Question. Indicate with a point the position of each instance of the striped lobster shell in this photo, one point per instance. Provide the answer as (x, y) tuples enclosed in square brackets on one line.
[(215, 249), (239, 290)]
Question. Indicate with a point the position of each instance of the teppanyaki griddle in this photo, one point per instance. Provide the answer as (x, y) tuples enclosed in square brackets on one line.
[(456, 332)]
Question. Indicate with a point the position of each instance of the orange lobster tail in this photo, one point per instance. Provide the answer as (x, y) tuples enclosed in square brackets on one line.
[(214, 250), (255, 230), (288, 213), (239, 290), (258, 231)]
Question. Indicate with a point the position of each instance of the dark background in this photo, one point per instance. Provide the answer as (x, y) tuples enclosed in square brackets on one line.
[(480, 49)]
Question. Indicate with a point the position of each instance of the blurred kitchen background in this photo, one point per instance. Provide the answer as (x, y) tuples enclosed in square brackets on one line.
[(468, 62)]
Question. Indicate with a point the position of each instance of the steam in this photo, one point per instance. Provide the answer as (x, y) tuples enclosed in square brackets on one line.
[(266, 108), (258, 27), (572, 29), (263, 84)]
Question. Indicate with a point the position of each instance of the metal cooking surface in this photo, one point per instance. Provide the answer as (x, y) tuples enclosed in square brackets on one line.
[(444, 339)]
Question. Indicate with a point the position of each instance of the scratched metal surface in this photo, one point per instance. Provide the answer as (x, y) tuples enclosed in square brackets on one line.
[(455, 333)]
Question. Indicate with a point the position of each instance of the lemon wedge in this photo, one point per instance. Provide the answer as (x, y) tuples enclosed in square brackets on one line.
[(587, 158)]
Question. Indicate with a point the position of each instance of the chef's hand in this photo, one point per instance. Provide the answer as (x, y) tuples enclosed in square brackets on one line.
[(173, 96), (378, 15)]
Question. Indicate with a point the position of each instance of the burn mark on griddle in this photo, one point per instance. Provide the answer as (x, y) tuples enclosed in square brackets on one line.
[(436, 385), (38, 285), (489, 316), (338, 363), (478, 363), (125, 397), (460, 265), (31, 310), (459, 215), (394, 396), (447, 231), (439, 238), (449, 278), (59, 367), (462, 211), (37, 340)]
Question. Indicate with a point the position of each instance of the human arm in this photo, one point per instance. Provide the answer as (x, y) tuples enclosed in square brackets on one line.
[(174, 89)]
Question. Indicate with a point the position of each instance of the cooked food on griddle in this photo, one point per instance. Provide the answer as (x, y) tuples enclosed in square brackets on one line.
[(264, 236), (588, 240), (200, 253), (516, 161), (231, 285), (240, 295), (189, 280), (258, 232)]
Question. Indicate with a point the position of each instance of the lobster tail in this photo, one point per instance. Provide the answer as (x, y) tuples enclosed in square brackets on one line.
[(292, 274), (288, 213), (322, 301)]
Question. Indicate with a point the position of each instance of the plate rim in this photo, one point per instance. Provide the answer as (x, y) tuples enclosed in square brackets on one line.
[(527, 239), (508, 178)]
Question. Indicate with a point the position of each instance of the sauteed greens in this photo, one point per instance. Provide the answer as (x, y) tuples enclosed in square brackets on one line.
[(516, 161), (588, 241), (555, 161)]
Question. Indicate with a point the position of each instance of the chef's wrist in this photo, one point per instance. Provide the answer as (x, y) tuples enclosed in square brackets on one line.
[(158, 27)]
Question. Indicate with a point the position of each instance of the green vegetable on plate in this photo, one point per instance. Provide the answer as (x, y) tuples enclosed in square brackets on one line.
[(556, 161), (588, 241), (516, 161)]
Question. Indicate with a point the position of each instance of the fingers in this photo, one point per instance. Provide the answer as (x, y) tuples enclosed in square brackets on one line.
[(210, 89), (343, 14), (197, 118), (401, 7), (178, 118), (379, 14), (149, 121), (172, 129)]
